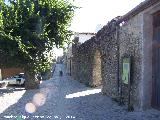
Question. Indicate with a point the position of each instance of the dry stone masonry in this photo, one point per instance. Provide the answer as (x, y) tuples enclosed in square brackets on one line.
[(86, 63), (98, 61), (95, 61)]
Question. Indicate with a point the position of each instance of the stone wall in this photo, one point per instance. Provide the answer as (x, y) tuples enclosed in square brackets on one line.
[(95, 62), (131, 35), (108, 45), (103, 54), (130, 44), (86, 64)]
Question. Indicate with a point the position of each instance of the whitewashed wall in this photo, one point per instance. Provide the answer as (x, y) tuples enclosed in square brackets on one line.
[(84, 37)]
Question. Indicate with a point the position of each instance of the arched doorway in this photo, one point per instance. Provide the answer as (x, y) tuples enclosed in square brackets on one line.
[(96, 73)]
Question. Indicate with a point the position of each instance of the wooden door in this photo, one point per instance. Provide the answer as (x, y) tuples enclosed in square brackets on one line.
[(156, 62)]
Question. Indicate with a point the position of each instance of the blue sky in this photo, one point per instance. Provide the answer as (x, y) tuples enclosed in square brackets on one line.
[(94, 12)]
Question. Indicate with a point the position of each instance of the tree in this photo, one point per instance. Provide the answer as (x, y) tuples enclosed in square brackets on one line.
[(28, 31)]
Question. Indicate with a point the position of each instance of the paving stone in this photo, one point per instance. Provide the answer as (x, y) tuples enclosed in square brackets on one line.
[(56, 106)]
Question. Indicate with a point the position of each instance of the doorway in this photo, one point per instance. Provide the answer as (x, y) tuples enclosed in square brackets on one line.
[(156, 61), (96, 73)]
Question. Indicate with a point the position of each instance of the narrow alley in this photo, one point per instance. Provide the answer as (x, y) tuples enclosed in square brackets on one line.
[(64, 98)]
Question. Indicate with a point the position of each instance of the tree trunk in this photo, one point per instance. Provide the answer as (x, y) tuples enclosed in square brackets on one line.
[(31, 82)]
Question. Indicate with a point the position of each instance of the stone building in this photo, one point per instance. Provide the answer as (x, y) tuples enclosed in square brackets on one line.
[(136, 36)]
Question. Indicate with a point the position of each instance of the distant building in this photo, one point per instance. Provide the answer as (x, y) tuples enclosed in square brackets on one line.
[(8, 72), (60, 59), (83, 36)]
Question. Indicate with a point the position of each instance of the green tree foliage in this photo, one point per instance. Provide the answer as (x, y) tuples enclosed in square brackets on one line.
[(30, 28)]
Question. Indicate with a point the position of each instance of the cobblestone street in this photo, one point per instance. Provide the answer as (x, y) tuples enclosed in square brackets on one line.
[(64, 98)]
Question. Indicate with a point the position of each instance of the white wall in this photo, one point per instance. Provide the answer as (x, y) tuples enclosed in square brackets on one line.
[(84, 37)]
